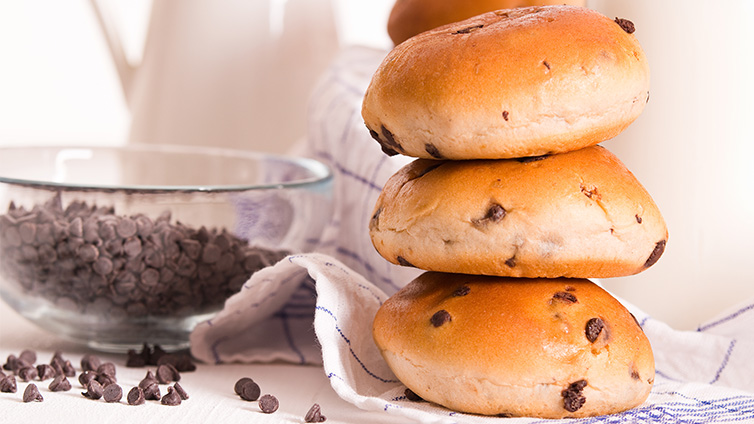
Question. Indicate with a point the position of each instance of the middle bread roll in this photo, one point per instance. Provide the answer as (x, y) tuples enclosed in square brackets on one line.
[(579, 214)]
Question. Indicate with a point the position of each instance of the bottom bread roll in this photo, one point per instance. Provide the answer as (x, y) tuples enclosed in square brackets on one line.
[(547, 348)]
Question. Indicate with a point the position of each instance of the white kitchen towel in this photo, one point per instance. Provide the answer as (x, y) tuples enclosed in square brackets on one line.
[(318, 308)]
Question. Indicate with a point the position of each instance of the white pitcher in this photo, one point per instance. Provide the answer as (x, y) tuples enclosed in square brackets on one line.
[(227, 73)]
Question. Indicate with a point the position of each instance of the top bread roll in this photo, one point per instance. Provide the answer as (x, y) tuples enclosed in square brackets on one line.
[(411, 17), (507, 84)]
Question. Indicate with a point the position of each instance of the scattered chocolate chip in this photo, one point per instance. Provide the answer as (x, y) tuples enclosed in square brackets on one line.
[(390, 139), (590, 192), (547, 64), (638, 218), (136, 396), (593, 329), (511, 262), (181, 392), (172, 398), (635, 374), (8, 384), (181, 361), (108, 368), (505, 415), (166, 373), (268, 404), (565, 297), (461, 291), (573, 397), (248, 389), (656, 253), (93, 390), (626, 25), (90, 362), (495, 213), (402, 261), (147, 380), (11, 364), (31, 394), (239, 384), (440, 317), (60, 384), (27, 373), (152, 391), (45, 372), (314, 415), (412, 396), (433, 151), (469, 29), (28, 356), (112, 393), (135, 359), (155, 354), (87, 376), (506, 114)]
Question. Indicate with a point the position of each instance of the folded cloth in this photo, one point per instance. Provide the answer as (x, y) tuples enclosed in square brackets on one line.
[(704, 376)]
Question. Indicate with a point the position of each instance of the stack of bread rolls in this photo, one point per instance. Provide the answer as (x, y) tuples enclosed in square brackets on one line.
[(510, 206)]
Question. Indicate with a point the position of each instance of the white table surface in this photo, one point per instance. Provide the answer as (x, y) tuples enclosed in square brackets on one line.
[(210, 387)]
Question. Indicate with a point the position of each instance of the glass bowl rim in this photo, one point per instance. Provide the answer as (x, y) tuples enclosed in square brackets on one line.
[(321, 172)]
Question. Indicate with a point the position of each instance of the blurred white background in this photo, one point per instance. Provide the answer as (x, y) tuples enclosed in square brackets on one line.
[(58, 83), (691, 148)]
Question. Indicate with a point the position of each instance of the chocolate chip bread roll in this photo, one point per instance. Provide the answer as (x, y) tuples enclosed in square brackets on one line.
[(578, 214), (549, 348), (510, 83)]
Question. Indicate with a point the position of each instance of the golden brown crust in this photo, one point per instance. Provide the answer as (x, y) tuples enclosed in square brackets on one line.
[(578, 214), (511, 83), (515, 346), (411, 17)]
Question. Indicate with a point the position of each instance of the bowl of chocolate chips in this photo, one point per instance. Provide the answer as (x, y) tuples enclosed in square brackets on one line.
[(115, 247)]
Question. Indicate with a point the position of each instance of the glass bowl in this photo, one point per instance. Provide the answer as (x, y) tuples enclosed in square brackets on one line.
[(115, 247)]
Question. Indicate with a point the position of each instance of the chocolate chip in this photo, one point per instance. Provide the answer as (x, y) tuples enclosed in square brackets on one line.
[(11, 364), (27, 373), (656, 253), (593, 329), (529, 159), (166, 373), (573, 397), (565, 297), (440, 317), (87, 376), (108, 368), (45, 372), (94, 390), (461, 291), (148, 380), (181, 392), (638, 218), (60, 384), (90, 362), (412, 396), (248, 389), (240, 383), (635, 374), (268, 404), (112, 393), (590, 192), (172, 398), (626, 25), (467, 30), (135, 359), (152, 391), (511, 262), (547, 64), (433, 151), (28, 356), (181, 361), (31, 394), (505, 115), (68, 369), (314, 415), (135, 396), (8, 384), (495, 213), (374, 222), (402, 261)]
